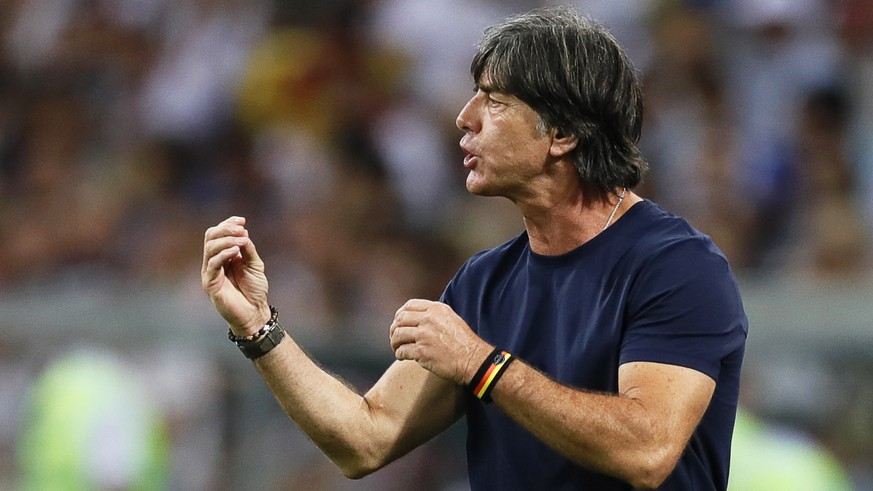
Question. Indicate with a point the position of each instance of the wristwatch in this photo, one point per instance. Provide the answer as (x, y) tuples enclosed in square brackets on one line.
[(259, 348), (260, 343)]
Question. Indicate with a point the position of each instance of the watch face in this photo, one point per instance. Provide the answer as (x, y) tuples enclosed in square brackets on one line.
[(261, 347)]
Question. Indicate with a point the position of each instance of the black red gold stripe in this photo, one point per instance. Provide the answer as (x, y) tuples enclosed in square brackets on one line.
[(490, 371)]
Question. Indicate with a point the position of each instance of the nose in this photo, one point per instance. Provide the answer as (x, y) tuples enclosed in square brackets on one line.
[(466, 118)]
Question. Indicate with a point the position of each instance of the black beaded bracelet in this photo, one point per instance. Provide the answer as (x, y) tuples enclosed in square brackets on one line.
[(269, 326)]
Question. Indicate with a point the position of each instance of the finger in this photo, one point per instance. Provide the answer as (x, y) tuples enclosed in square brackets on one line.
[(401, 336), (213, 269), (406, 352), (403, 323), (247, 248), (416, 305), (215, 246), (230, 226), (409, 318), (217, 262), (237, 220)]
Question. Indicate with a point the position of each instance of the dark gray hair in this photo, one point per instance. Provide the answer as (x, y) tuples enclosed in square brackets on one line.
[(575, 75)]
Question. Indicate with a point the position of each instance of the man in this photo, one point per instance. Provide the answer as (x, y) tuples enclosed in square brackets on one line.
[(599, 349)]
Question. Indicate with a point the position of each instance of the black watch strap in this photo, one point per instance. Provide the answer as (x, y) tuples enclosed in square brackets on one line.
[(263, 345)]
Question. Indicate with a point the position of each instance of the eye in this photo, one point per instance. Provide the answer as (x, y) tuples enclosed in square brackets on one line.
[(494, 102)]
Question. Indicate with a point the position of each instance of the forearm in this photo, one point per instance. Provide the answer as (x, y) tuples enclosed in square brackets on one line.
[(615, 434), (337, 419), (406, 407)]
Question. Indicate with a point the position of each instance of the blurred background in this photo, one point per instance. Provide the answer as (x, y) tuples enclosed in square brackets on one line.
[(128, 127)]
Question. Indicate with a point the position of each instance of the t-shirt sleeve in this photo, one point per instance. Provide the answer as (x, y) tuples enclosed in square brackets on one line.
[(684, 309), (450, 293), (458, 292)]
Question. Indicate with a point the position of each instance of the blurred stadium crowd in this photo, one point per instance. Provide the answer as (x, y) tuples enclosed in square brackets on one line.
[(127, 127)]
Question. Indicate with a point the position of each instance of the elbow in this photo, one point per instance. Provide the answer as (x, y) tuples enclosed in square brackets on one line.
[(653, 469), (359, 466), (366, 453), (648, 480), (356, 472)]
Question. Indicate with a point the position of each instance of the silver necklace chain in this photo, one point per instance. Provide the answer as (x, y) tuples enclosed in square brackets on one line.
[(615, 210)]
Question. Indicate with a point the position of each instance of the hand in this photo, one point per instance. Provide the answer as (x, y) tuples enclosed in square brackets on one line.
[(435, 337), (233, 276)]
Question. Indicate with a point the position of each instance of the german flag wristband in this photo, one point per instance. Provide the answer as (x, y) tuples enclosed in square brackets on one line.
[(489, 373)]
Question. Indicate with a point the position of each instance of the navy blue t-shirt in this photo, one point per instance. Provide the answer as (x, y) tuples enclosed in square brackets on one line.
[(649, 288)]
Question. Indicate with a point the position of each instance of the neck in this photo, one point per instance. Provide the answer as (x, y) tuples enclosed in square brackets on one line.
[(563, 225)]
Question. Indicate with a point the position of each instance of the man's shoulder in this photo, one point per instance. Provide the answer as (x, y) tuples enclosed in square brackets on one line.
[(483, 268), (490, 258), (658, 233)]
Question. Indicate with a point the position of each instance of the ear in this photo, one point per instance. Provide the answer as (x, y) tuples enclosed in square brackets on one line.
[(562, 144)]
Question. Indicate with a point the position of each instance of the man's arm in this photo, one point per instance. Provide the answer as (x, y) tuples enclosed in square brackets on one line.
[(405, 408), (637, 435)]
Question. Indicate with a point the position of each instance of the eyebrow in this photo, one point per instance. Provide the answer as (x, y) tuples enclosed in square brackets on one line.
[(487, 88), (484, 84)]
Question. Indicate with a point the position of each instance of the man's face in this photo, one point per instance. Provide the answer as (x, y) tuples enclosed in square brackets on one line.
[(505, 145)]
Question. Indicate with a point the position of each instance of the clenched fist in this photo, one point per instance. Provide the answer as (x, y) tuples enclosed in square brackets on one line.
[(435, 337)]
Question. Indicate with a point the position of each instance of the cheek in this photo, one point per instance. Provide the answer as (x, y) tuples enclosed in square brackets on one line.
[(526, 148), (517, 140)]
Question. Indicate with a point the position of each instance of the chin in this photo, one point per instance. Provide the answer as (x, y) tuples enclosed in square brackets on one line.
[(478, 190), (477, 186)]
